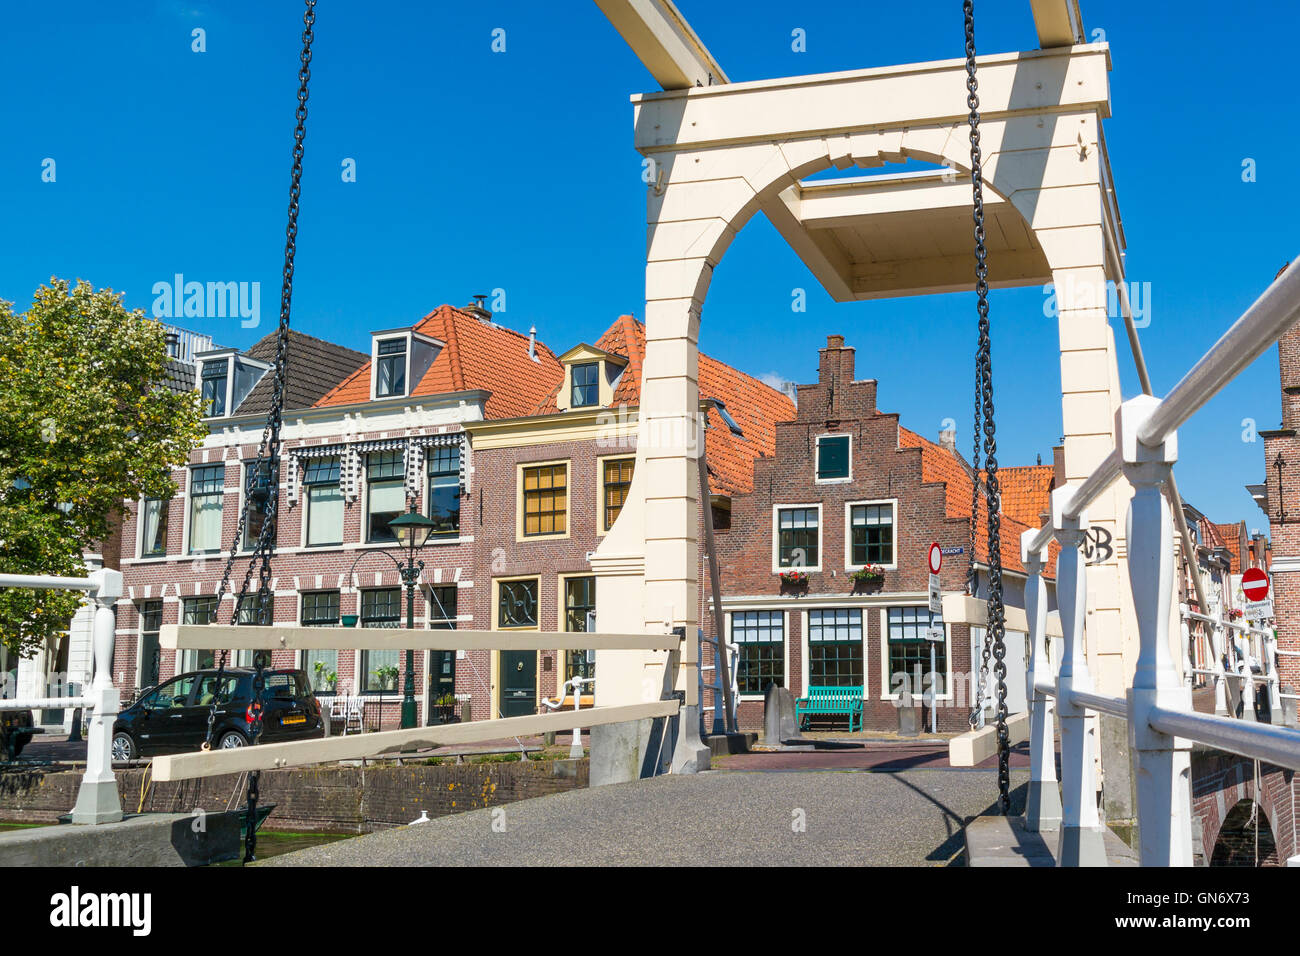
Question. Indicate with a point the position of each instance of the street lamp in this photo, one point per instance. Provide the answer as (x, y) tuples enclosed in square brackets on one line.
[(412, 530)]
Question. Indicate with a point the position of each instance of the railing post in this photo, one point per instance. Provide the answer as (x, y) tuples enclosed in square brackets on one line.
[(1162, 764), (1218, 648), (1269, 644), (1043, 804), (97, 800), (1082, 836), (1189, 659)]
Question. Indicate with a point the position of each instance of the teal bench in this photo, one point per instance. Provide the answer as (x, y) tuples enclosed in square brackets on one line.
[(829, 701)]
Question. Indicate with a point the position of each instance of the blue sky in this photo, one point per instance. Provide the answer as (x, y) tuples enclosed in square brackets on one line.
[(170, 161)]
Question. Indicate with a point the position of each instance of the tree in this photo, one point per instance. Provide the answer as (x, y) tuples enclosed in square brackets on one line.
[(86, 422)]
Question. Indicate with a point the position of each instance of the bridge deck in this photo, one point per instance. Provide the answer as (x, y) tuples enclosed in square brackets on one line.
[(908, 818)]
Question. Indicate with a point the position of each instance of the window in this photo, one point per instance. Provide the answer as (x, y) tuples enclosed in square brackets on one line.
[(517, 603), (832, 457), (380, 608), (213, 388), (798, 537), (586, 385), (732, 425), (444, 489), (546, 499), (324, 502), (153, 518), (579, 599), (172, 695), (835, 648), (442, 664), (761, 637), (150, 650), (390, 368), (617, 479), (257, 498), (251, 608), (386, 487), (321, 609), (198, 610), (207, 493), (442, 608), (871, 534), (909, 651)]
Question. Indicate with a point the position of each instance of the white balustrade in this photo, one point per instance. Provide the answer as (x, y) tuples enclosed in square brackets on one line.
[(97, 799), (1158, 708)]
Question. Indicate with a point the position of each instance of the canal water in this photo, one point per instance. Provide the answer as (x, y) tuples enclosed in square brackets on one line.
[(269, 842)]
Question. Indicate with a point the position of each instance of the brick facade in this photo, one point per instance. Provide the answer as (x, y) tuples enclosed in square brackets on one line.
[(889, 467)]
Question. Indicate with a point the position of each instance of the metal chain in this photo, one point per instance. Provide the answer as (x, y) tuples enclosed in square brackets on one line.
[(995, 633), (262, 485)]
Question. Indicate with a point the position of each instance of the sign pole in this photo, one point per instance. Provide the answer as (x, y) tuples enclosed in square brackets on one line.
[(934, 559)]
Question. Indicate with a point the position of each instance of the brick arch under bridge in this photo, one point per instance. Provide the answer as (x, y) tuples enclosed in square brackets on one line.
[(1220, 781)]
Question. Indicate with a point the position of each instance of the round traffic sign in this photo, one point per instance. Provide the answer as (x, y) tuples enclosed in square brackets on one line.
[(1254, 583), (935, 557)]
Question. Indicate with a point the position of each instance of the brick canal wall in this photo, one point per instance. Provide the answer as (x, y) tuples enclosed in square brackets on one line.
[(332, 798)]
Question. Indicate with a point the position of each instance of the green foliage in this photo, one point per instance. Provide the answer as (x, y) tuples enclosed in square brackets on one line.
[(86, 422)]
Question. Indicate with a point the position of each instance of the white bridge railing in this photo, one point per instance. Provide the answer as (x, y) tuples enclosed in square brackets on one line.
[(97, 799), (1162, 724), (286, 637)]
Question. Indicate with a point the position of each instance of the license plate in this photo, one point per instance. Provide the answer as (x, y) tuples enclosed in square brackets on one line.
[(293, 719)]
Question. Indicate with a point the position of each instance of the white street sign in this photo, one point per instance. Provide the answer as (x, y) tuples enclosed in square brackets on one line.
[(934, 633), (936, 597), (1258, 610)]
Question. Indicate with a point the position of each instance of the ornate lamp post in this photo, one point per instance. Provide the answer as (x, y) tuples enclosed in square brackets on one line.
[(412, 530)]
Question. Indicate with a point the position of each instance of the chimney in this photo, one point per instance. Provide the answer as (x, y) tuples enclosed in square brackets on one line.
[(532, 343), (173, 341), (948, 439), (478, 309)]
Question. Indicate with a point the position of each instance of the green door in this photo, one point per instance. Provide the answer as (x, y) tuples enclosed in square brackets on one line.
[(518, 683)]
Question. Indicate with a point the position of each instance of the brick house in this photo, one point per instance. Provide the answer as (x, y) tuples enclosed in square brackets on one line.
[(363, 436), (849, 489), (553, 482), (1277, 496), (519, 456)]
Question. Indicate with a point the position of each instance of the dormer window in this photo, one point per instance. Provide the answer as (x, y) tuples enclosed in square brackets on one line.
[(216, 374), (226, 379), (591, 377), (390, 368), (399, 360), (586, 385)]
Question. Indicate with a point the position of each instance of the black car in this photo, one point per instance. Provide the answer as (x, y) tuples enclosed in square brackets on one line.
[(16, 730), (173, 717)]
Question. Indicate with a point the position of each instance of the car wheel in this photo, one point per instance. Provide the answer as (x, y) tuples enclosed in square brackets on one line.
[(124, 747), (232, 739)]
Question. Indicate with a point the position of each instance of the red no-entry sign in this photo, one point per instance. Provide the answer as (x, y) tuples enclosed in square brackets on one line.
[(935, 558), (1254, 584)]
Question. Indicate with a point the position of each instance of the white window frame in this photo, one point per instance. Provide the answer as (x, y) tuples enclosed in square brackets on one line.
[(817, 459), (848, 532), (140, 526), (776, 536), (805, 644), (305, 522), (885, 688), (189, 512), (785, 634)]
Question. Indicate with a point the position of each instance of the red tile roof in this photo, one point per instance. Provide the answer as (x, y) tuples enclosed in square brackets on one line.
[(755, 407), (477, 355), (938, 464), (1026, 492), (1230, 536)]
